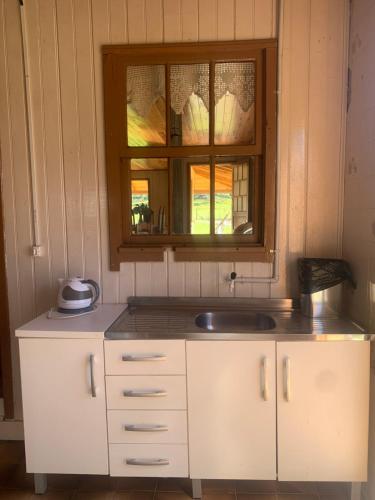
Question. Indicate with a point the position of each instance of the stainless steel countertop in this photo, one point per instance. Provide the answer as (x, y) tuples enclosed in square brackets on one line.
[(174, 318)]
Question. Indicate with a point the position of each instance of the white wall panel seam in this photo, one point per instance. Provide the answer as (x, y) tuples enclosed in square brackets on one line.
[(307, 135), (62, 141), (61, 161), (45, 243), (95, 125), (79, 147), (345, 66)]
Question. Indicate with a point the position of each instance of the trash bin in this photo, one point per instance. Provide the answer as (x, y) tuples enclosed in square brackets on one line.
[(321, 286)]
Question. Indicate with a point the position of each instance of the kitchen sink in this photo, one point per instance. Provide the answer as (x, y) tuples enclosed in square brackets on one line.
[(225, 321)]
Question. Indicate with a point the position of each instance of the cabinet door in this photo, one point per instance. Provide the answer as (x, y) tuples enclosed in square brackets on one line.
[(231, 409), (65, 422), (323, 410)]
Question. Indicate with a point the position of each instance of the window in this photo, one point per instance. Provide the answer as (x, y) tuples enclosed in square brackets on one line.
[(191, 150)]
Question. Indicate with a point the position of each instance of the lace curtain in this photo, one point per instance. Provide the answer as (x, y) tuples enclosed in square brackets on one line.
[(146, 84)]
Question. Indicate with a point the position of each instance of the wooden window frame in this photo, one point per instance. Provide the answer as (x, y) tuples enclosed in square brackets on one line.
[(127, 247)]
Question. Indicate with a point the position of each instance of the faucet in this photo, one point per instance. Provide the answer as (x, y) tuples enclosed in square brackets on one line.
[(232, 278)]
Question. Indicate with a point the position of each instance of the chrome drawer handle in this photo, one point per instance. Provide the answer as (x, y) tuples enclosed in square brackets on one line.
[(264, 379), (144, 357), (147, 461), (145, 393), (92, 379), (287, 389), (145, 428)]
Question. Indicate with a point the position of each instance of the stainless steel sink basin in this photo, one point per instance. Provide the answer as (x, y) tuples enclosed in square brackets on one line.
[(227, 321)]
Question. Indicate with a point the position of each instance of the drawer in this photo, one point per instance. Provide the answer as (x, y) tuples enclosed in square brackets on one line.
[(147, 426), (145, 357), (155, 460), (146, 393)]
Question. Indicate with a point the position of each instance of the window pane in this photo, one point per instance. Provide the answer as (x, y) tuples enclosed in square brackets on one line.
[(234, 197), (189, 85), (235, 103), (146, 105), (149, 195), (191, 196)]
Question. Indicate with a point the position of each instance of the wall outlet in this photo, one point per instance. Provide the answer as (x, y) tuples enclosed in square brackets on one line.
[(37, 251)]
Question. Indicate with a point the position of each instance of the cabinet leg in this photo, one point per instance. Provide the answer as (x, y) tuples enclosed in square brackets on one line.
[(356, 491), (197, 488), (40, 483)]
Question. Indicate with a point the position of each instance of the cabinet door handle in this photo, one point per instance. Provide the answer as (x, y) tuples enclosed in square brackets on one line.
[(144, 357), (287, 379), (147, 461), (92, 378), (264, 379), (145, 393), (145, 428)]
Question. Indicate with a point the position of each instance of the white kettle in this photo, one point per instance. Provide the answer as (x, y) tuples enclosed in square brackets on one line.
[(77, 295)]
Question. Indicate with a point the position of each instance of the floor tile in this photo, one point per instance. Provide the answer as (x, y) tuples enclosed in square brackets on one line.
[(136, 483), (329, 488), (297, 496), (219, 485), (97, 483), (15, 495), (174, 484), (92, 495), (218, 495), (12, 452), (20, 479), (172, 495), (335, 496), (256, 486), (134, 495), (53, 495), (6, 470), (296, 487), (63, 482), (255, 496)]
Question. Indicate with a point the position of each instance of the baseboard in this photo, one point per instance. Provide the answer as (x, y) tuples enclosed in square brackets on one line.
[(11, 430)]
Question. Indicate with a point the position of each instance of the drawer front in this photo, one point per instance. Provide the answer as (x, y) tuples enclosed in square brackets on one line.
[(146, 393), (133, 426), (155, 460), (145, 357)]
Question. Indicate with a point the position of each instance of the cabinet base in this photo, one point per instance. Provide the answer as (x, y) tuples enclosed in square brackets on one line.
[(196, 488), (356, 491), (40, 483)]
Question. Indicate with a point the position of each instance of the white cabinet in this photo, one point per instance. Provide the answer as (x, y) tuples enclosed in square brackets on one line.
[(316, 394), (323, 406), (64, 405), (146, 403), (232, 409)]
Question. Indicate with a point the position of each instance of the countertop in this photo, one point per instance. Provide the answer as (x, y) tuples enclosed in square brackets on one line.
[(89, 326), (174, 318)]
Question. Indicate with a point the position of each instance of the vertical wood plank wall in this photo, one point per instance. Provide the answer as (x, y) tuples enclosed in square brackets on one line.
[(63, 39)]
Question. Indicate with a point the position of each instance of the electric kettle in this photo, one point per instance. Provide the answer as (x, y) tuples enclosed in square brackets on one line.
[(77, 295)]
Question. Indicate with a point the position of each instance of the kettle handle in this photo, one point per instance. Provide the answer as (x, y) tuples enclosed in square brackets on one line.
[(96, 288)]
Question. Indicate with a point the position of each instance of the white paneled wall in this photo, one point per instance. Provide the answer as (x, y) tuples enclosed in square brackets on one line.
[(359, 202), (63, 40)]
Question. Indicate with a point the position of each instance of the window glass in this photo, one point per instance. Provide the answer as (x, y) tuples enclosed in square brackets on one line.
[(191, 196), (149, 195), (145, 86), (235, 103), (189, 84), (234, 197)]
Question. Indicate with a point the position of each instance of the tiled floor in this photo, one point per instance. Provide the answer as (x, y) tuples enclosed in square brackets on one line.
[(16, 484)]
